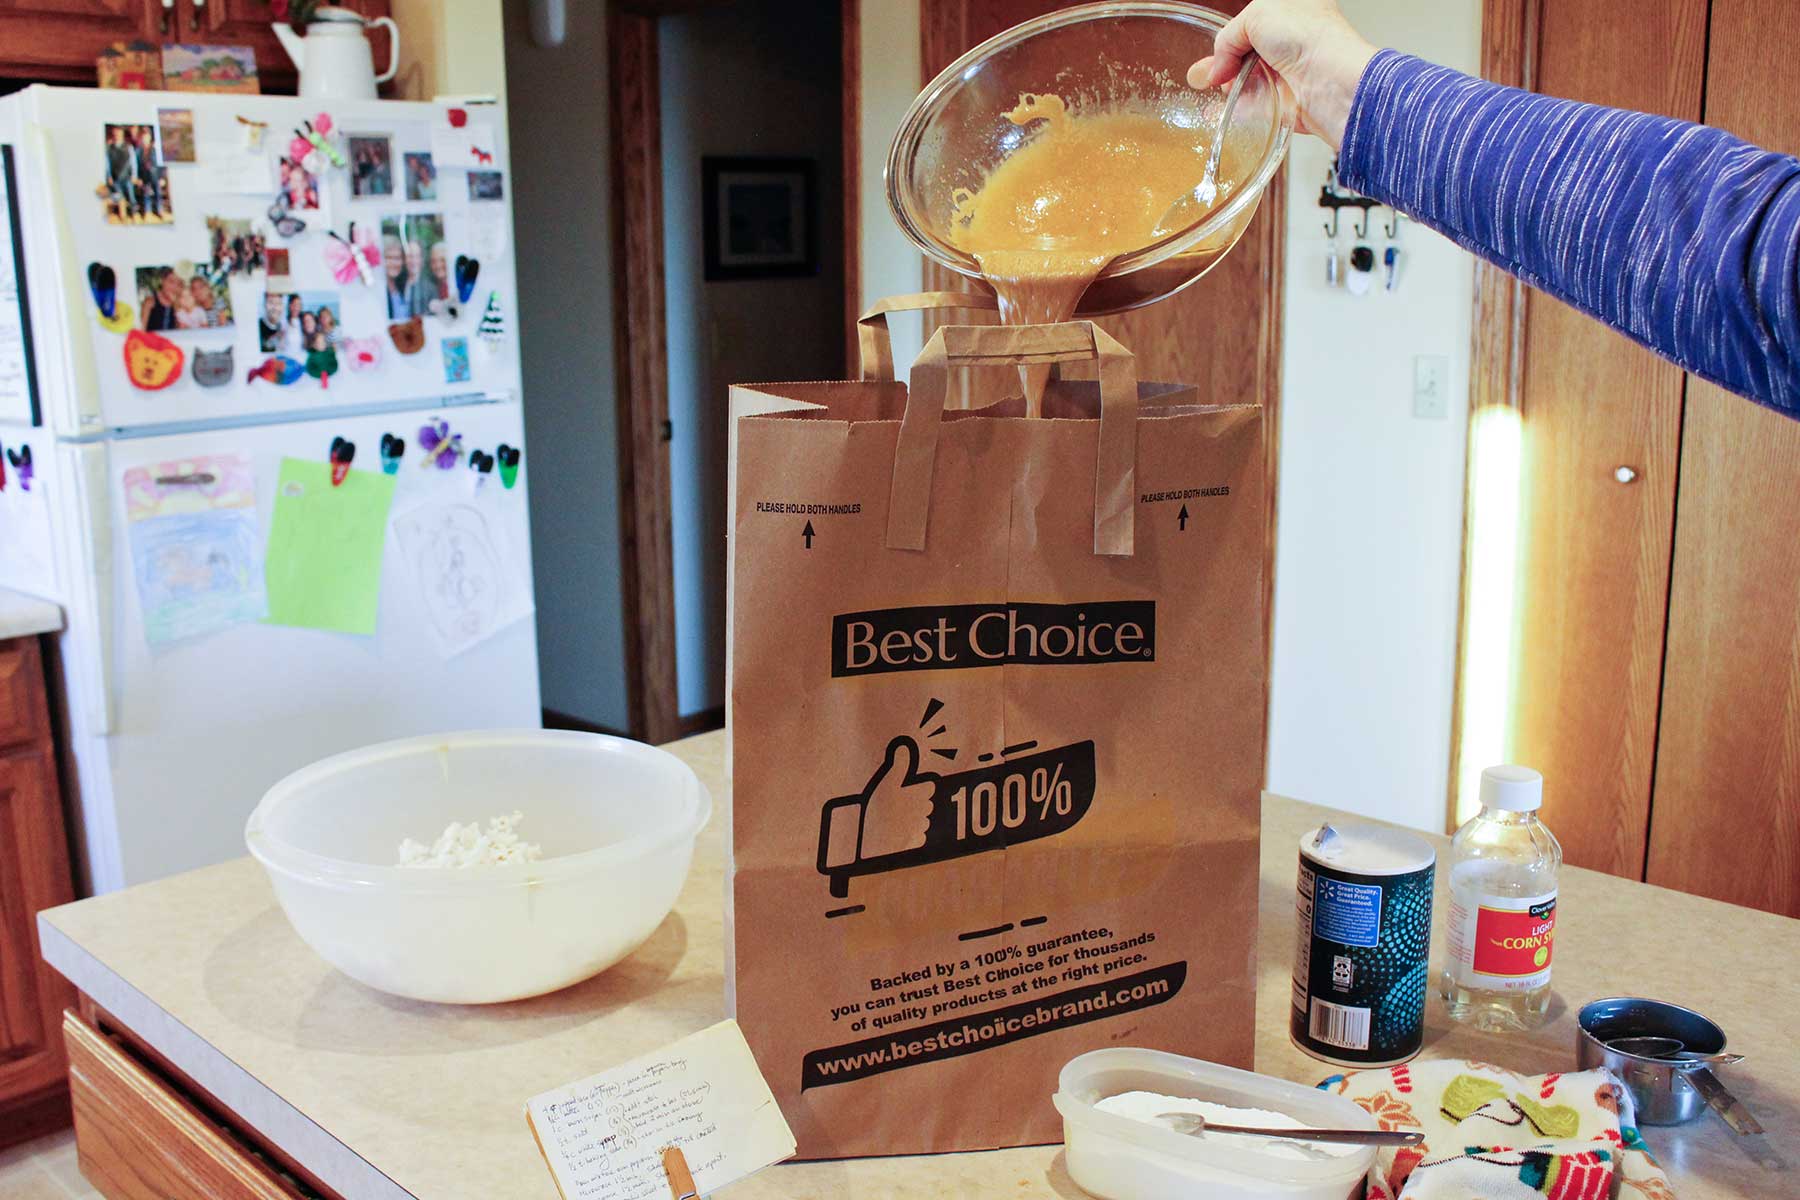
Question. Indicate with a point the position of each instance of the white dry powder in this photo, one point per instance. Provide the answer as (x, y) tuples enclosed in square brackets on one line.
[(1146, 1106), (467, 846)]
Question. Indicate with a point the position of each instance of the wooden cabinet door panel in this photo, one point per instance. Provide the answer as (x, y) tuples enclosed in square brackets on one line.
[(1594, 553), (34, 875), (60, 39), (1726, 817), (139, 1140), (22, 716)]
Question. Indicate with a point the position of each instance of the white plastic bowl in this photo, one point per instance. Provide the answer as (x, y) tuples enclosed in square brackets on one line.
[(616, 819), (1117, 1158)]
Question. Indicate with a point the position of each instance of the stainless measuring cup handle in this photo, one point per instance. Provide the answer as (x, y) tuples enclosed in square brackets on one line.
[(1728, 1106)]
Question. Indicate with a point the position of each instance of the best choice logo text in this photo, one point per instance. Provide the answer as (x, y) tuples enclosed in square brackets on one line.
[(954, 636)]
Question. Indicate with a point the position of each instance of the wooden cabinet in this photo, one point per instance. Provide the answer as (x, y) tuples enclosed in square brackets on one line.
[(1595, 552), (57, 41), (1726, 821), (1658, 667), (138, 1138), (34, 874)]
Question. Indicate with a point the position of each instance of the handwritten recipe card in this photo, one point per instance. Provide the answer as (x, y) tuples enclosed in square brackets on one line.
[(603, 1136)]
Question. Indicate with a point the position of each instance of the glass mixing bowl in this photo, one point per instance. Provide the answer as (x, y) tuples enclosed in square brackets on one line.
[(1134, 54)]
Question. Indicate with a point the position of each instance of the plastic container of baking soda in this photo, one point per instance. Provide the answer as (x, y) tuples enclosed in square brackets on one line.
[(1501, 934)]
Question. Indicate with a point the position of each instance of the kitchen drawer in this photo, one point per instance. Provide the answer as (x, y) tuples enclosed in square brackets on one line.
[(22, 715), (138, 1139)]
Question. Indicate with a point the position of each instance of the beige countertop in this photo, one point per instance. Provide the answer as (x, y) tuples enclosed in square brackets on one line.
[(26, 616), (382, 1097)]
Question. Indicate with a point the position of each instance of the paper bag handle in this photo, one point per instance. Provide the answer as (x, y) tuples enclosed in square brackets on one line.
[(1115, 465), (877, 345)]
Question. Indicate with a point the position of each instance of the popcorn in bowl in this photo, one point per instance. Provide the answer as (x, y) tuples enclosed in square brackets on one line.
[(463, 845)]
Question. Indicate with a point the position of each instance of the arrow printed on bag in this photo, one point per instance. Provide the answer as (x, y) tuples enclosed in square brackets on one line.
[(807, 534), (1182, 518)]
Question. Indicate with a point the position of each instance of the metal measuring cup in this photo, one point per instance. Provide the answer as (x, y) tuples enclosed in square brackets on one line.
[(1664, 1054)]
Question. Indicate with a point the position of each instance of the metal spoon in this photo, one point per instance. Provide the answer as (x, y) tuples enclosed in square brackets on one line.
[(1195, 1125), (1670, 1050), (1207, 190)]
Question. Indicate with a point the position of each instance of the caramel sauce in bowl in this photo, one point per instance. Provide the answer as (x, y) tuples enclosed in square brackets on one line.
[(1044, 159)]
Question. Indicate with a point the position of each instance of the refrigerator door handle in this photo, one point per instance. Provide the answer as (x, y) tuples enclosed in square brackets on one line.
[(78, 343), (94, 490)]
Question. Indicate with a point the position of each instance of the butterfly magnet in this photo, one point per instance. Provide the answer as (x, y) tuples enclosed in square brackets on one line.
[(443, 448), (355, 258)]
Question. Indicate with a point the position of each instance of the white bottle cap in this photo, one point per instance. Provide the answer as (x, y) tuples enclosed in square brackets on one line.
[(1512, 789)]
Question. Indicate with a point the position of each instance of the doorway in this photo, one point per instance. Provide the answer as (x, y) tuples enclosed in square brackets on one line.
[(728, 145)]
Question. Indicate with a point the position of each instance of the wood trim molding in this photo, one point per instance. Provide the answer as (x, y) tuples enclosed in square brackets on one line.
[(1509, 46), (850, 19), (641, 365), (1274, 203)]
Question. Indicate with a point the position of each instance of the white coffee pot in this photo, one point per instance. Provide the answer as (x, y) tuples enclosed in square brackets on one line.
[(334, 58)]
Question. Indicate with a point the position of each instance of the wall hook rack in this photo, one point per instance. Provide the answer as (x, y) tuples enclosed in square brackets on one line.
[(1335, 198)]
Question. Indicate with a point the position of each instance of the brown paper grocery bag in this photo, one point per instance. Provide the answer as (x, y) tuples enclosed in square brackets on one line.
[(995, 705)]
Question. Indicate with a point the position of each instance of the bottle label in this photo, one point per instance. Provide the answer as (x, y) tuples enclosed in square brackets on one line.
[(1502, 943)]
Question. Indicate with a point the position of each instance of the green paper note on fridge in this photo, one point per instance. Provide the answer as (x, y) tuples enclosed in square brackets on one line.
[(322, 567)]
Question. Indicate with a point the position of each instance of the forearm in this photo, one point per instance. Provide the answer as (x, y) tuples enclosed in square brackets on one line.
[(1681, 236)]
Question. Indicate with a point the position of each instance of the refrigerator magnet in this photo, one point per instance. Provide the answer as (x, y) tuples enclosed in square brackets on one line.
[(363, 354), (103, 283), (467, 269), (343, 453), (393, 449), (481, 465), (408, 336), (508, 458), (491, 329), (152, 362), (354, 258), (213, 368), (278, 369), (443, 448), (322, 363), (20, 459), (456, 360)]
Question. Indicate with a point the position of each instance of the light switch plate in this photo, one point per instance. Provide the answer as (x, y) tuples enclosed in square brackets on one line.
[(1431, 386)]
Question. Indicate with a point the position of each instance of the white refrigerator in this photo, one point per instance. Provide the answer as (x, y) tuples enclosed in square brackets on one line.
[(233, 613)]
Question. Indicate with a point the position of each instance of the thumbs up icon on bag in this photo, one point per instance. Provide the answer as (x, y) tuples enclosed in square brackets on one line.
[(891, 815)]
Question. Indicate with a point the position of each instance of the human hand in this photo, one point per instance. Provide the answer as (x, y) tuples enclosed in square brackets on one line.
[(897, 802), (1309, 44)]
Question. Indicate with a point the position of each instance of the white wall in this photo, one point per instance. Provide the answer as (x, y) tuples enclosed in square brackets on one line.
[(758, 77), (558, 123), (1369, 547), (891, 265)]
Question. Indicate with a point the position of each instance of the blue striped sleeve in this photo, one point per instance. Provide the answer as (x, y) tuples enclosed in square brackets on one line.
[(1680, 236)]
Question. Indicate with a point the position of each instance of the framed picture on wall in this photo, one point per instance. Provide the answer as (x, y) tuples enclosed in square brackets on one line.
[(759, 217)]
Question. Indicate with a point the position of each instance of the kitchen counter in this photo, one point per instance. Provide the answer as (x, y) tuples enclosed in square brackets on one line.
[(384, 1098), (26, 616)]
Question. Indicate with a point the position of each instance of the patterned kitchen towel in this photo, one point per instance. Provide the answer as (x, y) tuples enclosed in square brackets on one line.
[(1501, 1136)]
